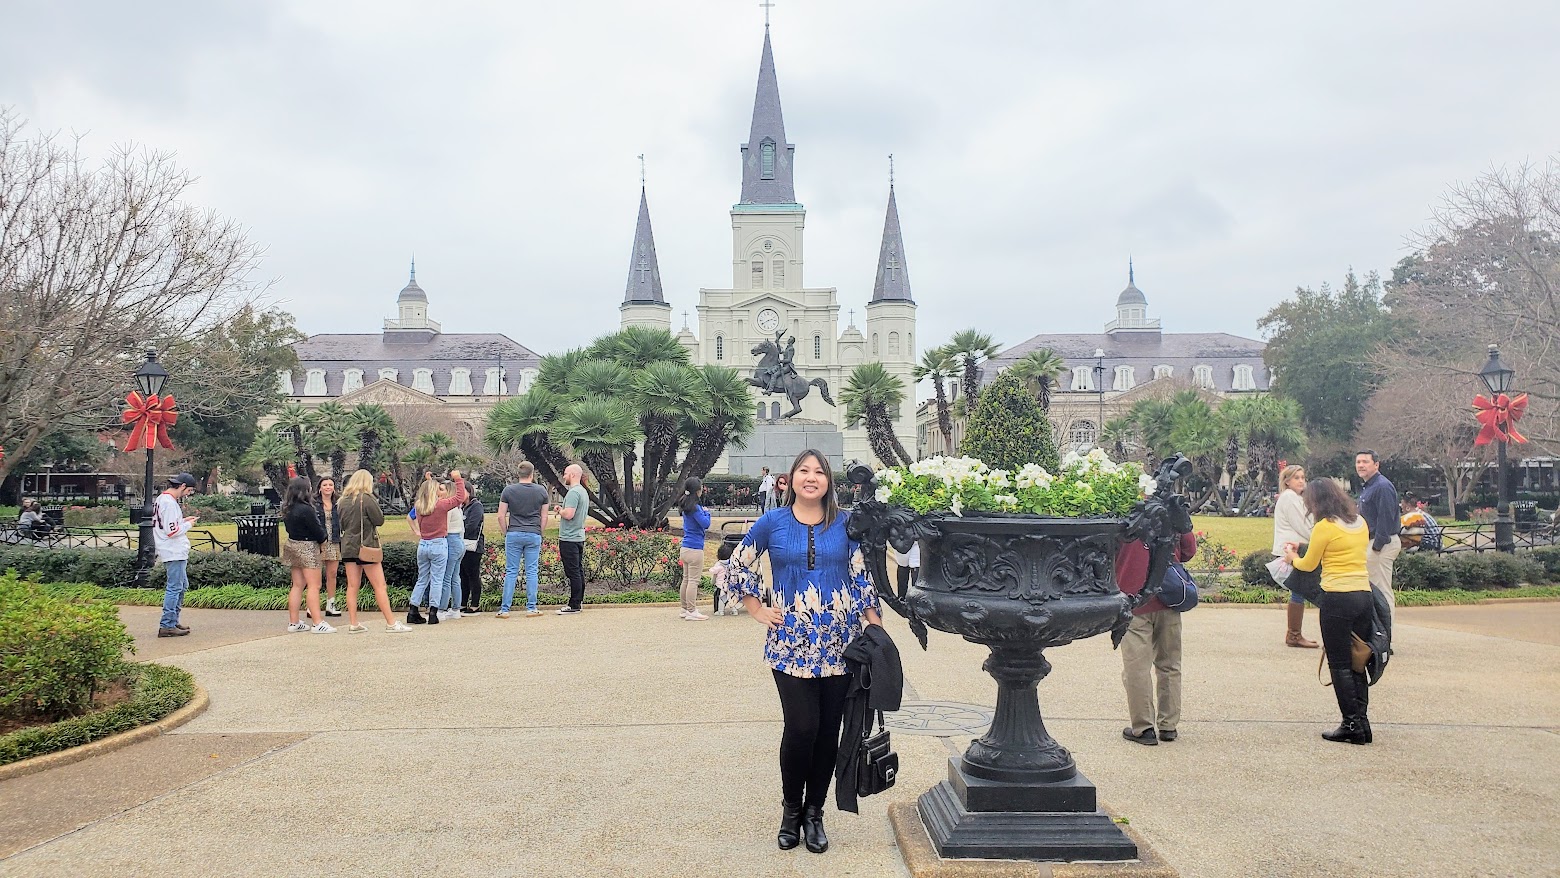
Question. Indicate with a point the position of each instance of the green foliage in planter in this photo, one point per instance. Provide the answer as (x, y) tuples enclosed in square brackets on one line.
[(54, 654), (1009, 429), (157, 691)]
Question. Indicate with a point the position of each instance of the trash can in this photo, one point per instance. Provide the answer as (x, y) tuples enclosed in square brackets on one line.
[(1525, 514), (55, 515), (257, 508), (258, 534)]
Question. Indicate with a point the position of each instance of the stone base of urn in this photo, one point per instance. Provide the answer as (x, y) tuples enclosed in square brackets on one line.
[(1061, 822)]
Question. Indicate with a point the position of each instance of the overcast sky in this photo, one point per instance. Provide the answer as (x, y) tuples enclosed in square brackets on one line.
[(1236, 150)]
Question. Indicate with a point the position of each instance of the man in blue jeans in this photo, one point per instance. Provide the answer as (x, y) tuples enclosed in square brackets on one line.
[(171, 536), (522, 513)]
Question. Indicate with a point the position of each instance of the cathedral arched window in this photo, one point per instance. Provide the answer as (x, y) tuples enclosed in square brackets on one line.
[(777, 274), (874, 344), (758, 272), (351, 380), (766, 152), (817, 347), (720, 347), (893, 343)]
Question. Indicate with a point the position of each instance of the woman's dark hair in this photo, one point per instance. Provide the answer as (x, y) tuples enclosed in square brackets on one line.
[(831, 506), (1325, 500), (298, 491), (689, 501)]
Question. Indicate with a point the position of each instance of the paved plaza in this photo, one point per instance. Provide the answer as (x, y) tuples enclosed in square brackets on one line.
[(624, 741)]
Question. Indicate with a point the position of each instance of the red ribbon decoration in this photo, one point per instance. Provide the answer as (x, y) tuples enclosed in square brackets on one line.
[(152, 417), (1499, 418)]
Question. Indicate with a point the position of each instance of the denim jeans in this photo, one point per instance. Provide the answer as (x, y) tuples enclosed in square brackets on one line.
[(455, 546), (173, 595), (516, 545), (431, 558)]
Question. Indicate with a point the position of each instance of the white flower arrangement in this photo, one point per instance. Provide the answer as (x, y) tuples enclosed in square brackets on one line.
[(1088, 484)]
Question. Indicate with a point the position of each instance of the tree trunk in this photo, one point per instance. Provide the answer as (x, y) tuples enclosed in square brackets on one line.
[(944, 419), (338, 467), (1045, 396), (971, 387), (602, 464), (880, 436)]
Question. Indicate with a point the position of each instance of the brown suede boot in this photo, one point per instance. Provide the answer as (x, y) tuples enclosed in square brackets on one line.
[(1293, 638)]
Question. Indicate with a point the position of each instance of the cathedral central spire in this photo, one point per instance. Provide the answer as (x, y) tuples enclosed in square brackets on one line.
[(893, 276), (767, 158), (644, 272)]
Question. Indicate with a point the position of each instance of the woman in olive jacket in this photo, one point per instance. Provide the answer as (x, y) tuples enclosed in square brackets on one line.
[(360, 521)]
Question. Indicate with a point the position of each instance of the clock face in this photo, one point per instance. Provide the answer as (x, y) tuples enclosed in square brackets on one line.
[(768, 320)]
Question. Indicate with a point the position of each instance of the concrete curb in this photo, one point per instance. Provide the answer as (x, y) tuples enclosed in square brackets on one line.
[(923, 862), (194, 708)]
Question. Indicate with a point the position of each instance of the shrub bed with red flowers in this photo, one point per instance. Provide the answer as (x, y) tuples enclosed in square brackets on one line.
[(616, 559)]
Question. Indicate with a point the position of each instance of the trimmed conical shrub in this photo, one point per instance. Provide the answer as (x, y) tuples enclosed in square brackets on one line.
[(1009, 429)]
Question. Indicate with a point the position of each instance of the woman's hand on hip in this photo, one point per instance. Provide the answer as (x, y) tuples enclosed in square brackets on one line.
[(769, 616)]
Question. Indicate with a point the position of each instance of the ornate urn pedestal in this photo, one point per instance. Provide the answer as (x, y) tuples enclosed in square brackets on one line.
[(1018, 584)]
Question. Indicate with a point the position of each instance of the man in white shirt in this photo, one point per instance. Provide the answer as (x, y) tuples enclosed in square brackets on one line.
[(766, 491), (171, 536)]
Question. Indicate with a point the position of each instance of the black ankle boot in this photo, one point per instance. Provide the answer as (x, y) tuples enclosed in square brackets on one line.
[(433, 615), (812, 827), (1352, 729), (1362, 693), (790, 834), (413, 617)]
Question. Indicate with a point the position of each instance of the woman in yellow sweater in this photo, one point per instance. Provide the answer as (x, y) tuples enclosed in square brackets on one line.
[(1338, 543)]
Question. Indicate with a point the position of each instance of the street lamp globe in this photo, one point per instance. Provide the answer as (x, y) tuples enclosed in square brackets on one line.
[(150, 377), (1496, 375)]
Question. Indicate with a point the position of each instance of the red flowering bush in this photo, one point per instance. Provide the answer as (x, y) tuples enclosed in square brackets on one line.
[(1213, 554), (620, 558)]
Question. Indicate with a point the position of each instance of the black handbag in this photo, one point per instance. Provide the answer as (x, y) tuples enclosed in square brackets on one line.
[(879, 763)]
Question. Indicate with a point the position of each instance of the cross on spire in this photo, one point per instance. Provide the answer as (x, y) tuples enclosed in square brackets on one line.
[(685, 319), (892, 265), (644, 270), (767, 5), (1131, 279), (414, 267), (890, 170), (853, 317), (641, 170)]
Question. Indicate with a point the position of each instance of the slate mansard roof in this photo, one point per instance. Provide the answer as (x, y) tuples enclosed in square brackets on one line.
[(478, 352), (1182, 351)]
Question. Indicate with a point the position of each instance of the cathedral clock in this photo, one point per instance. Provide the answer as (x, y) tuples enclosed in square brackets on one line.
[(768, 320)]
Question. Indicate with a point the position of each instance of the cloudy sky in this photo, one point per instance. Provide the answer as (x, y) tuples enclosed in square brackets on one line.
[(1236, 150)]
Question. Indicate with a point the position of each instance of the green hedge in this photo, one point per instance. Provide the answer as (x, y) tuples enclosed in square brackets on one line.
[(55, 655), (117, 567), (1430, 572), (157, 691)]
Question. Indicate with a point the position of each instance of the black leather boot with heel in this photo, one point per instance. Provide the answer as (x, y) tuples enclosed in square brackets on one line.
[(1362, 694), (812, 827), (1353, 729), (790, 834)]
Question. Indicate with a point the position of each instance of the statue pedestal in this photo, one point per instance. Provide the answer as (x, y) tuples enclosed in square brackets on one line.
[(968, 816), (776, 444)]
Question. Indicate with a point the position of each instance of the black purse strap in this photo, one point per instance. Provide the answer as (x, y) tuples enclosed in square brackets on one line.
[(866, 731)]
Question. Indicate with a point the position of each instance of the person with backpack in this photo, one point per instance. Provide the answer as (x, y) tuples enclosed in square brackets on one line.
[(1338, 543), (1151, 650), (1421, 533)]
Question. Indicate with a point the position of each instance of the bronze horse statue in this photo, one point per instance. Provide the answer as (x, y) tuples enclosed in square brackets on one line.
[(775, 374)]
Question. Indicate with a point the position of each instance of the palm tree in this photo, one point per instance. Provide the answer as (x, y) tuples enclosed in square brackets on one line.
[(1271, 428), (1196, 431), (598, 430), (373, 425), (522, 422), (1041, 368), (332, 441), (938, 365), (270, 453), (298, 422), (730, 420), (969, 348), (869, 394), (669, 396), (1116, 435)]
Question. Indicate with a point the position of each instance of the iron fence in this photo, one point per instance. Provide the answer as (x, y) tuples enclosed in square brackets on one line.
[(63, 537), (1479, 536)]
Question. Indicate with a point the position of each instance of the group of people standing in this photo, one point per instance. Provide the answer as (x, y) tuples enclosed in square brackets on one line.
[(771, 490)]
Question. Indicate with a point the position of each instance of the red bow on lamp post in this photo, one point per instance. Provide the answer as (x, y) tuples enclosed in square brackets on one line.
[(1499, 418), (151, 416)]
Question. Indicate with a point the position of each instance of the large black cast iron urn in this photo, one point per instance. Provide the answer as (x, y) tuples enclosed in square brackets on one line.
[(1019, 584)]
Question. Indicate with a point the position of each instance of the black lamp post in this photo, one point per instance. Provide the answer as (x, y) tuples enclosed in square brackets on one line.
[(1099, 386), (149, 379), (1497, 378)]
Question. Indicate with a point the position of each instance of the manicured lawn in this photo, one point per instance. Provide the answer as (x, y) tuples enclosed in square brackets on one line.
[(1242, 535)]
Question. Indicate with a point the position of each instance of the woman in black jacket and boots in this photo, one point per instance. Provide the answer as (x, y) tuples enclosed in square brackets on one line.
[(471, 562)]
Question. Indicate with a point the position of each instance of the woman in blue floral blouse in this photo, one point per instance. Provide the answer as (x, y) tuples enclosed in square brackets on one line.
[(822, 601)]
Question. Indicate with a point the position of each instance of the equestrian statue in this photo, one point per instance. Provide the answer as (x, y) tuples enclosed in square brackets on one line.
[(776, 373)]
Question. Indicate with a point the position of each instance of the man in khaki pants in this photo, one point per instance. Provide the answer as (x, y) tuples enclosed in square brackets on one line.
[(1151, 651), (1379, 507)]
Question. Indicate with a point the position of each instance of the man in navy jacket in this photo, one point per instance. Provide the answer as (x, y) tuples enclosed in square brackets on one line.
[(1379, 507)]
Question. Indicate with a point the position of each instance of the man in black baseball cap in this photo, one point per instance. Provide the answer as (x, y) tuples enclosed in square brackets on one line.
[(171, 534)]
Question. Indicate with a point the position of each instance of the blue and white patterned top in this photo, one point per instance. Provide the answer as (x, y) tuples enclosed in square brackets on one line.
[(824, 592)]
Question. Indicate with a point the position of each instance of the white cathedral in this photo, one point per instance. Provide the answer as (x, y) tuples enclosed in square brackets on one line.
[(769, 292)]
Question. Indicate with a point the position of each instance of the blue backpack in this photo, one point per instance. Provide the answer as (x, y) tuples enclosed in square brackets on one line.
[(1178, 590)]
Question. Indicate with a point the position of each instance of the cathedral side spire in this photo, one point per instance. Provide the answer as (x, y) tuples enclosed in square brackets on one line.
[(893, 276), (767, 159), (644, 272)]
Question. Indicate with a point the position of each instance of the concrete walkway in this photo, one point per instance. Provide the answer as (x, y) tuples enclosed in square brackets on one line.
[(626, 742)]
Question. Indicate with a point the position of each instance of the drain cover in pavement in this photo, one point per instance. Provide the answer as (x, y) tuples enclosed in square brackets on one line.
[(939, 718)]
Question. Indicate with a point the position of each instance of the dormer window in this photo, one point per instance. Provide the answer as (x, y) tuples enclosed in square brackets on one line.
[(422, 379), (1202, 376), (1083, 378), (494, 386), (284, 384), (314, 382), (388, 374), (766, 161), (1243, 379), (460, 382), (351, 380), (1163, 371), (1126, 379)]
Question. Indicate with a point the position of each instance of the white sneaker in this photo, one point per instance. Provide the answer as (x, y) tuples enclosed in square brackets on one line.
[(682, 614), (357, 629), (446, 615), (397, 628), (323, 628), (695, 616), (295, 627)]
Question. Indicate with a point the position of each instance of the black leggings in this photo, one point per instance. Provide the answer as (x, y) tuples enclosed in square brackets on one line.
[(813, 708), (904, 578), (1344, 613), (471, 579)]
